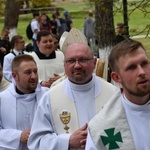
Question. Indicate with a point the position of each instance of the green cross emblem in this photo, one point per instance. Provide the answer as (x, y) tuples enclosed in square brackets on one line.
[(111, 139)]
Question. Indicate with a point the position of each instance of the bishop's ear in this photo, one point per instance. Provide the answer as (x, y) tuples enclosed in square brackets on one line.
[(116, 77)]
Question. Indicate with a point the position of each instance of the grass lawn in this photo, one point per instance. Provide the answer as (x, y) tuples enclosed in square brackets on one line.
[(79, 11), (146, 43)]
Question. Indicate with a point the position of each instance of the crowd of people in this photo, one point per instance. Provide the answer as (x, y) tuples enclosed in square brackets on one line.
[(57, 25), (38, 111)]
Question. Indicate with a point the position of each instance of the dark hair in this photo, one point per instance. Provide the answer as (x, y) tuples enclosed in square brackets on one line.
[(29, 47), (47, 17), (53, 16), (41, 34), (43, 14), (36, 14), (120, 25), (15, 40), (90, 14), (57, 13), (121, 49), (55, 36), (19, 59)]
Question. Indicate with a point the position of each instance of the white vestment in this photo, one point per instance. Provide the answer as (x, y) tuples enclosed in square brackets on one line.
[(45, 135), (129, 122), (47, 67), (16, 114)]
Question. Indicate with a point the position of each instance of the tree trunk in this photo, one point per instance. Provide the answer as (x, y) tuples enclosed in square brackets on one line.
[(105, 32), (11, 16), (125, 17)]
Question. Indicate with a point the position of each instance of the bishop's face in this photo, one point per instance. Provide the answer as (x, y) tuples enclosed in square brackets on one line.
[(79, 63), (134, 74)]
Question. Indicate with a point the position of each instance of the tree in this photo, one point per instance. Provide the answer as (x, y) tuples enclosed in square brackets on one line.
[(12, 11), (104, 15), (125, 17), (104, 29), (12, 16), (127, 8)]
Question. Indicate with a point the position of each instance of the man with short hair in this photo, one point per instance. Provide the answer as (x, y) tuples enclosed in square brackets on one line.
[(49, 62), (18, 104), (70, 105), (18, 45), (124, 121), (120, 35)]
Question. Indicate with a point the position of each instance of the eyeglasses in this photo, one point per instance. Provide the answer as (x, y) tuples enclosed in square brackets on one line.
[(81, 61)]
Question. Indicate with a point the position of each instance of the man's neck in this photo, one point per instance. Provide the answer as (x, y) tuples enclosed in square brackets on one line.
[(22, 93), (46, 56), (139, 100)]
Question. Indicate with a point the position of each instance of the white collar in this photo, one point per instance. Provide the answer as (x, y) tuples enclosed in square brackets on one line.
[(82, 87), (128, 104)]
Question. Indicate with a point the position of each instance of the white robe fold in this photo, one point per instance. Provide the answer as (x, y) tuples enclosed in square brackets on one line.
[(11, 116)]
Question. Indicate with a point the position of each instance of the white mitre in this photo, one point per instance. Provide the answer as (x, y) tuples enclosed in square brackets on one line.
[(73, 36)]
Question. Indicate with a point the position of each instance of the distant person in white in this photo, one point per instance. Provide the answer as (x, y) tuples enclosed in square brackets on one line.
[(124, 122), (81, 94), (18, 45), (18, 104), (35, 26)]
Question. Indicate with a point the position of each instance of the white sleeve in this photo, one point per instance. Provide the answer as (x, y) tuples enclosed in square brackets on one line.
[(7, 68), (43, 136), (9, 138), (89, 143), (35, 26), (58, 23)]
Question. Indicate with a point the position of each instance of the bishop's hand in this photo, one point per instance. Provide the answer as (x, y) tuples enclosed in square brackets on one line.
[(78, 138)]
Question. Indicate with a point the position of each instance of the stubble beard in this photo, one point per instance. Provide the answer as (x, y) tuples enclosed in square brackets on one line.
[(140, 92)]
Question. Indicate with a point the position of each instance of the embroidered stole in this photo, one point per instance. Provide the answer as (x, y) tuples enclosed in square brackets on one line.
[(109, 129), (60, 101)]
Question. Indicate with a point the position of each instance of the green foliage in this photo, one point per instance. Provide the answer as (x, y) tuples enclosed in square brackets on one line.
[(2, 7), (146, 43), (40, 3), (73, 7)]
